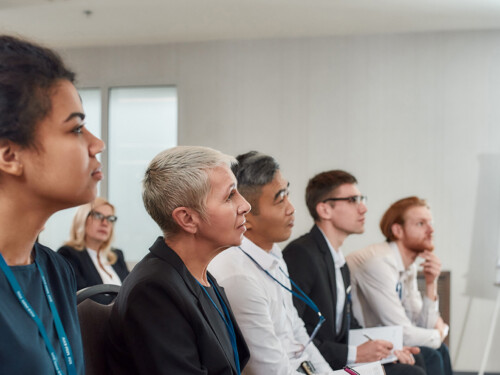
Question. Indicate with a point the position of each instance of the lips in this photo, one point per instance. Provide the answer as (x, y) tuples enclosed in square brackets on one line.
[(97, 173)]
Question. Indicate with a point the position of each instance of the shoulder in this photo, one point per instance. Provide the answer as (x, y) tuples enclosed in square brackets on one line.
[(232, 264), (56, 265), (302, 243), (119, 253), (154, 279), (68, 251), (370, 257), (302, 249)]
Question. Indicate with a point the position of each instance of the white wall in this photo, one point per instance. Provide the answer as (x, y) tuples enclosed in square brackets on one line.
[(406, 114)]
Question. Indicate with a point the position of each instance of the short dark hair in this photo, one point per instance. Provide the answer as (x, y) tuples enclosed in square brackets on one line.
[(324, 184), (28, 73), (253, 171), (396, 215)]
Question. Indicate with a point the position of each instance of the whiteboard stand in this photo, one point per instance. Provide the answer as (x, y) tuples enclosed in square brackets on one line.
[(462, 333), (492, 333)]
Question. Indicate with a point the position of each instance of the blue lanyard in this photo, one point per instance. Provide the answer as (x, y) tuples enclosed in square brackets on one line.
[(302, 296), (227, 321), (399, 290), (63, 339)]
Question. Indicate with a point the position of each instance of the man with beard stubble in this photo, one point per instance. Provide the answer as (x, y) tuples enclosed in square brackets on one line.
[(384, 282)]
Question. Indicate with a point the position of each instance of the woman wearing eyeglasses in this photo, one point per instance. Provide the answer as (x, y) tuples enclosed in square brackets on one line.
[(89, 247)]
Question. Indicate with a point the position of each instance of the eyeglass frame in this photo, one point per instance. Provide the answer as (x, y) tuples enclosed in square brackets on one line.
[(111, 219), (352, 199)]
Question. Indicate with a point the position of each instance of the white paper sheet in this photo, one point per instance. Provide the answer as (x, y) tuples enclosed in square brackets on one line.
[(393, 334)]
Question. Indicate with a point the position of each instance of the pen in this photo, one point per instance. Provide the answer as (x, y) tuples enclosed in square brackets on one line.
[(350, 371), (368, 337)]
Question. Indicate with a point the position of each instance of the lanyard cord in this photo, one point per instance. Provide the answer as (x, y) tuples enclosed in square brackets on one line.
[(227, 321), (302, 296), (63, 339)]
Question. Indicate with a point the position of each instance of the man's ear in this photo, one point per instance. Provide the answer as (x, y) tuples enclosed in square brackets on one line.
[(323, 210), (397, 230), (10, 160), (187, 219)]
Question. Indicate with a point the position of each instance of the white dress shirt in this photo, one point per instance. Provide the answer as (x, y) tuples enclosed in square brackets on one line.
[(339, 261), (264, 311), (378, 277), (106, 279)]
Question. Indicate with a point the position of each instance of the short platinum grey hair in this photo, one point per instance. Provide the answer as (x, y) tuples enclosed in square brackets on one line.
[(178, 177)]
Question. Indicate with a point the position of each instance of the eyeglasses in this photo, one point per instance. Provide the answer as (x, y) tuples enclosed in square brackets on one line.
[(355, 199), (98, 216)]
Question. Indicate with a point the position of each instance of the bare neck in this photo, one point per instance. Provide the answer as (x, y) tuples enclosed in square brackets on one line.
[(93, 244), (195, 255), (407, 255), (335, 236), (19, 228)]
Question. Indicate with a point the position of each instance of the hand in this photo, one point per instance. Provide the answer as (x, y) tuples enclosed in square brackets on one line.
[(373, 351), (432, 270), (442, 327), (405, 356)]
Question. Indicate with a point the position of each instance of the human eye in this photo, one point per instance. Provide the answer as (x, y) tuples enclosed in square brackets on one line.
[(231, 195), (281, 197), (353, 199), (98, 215), (420, 224), (78, 129)]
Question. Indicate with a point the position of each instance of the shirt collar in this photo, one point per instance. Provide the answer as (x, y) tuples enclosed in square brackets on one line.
[(267, 260), (338, 256), (397, 257)]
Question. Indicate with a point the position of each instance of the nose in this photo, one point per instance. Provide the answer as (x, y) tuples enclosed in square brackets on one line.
[(96, 145), (430, 228), (244, 207), (362, 208), (290, 209)]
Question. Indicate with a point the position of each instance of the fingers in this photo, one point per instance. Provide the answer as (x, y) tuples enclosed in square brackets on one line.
[(404, 357), (373, 351), (412, 349), (431, 266), (386, 344)]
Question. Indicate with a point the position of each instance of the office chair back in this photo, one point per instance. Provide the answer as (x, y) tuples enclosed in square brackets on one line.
[(93, 325)]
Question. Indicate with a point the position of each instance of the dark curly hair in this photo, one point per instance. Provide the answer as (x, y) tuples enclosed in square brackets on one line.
[(28, 74)]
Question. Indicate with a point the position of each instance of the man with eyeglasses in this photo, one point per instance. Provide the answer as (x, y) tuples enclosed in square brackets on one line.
[(255, 277), (384, 281), (316, 262)]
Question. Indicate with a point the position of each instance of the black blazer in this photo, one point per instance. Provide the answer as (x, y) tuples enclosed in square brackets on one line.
[(311, 266), (85, 271), (162, 323)]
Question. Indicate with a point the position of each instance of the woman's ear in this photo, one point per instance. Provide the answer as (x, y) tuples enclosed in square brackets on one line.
[(187, 219), (10, 162)]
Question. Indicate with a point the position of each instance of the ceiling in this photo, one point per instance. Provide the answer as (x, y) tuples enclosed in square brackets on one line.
[(77, 23)]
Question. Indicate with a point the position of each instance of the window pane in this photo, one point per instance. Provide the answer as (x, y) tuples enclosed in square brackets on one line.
[(142, 122), (57, 228)]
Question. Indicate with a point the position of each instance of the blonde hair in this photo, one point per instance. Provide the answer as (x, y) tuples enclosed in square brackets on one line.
[(77, 231), (178, 177)]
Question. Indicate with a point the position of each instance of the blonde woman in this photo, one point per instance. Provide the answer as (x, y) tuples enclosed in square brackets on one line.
[(89, 248)]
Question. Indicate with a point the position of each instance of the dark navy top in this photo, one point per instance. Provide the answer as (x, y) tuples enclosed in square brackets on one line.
[(22, 349)]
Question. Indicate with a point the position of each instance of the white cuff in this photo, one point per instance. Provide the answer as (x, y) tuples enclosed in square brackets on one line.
[(352, 352)]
